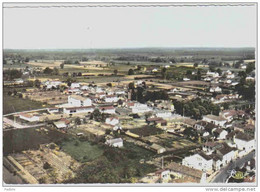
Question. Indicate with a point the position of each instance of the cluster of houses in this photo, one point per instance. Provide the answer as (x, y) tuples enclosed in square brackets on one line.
[(223, 138)]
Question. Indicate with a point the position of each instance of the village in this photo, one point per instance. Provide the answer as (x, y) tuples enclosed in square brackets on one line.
[(194, 129)]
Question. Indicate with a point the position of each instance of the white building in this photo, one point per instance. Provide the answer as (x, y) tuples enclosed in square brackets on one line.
[(29, 117), (244, 142), (199, 161), (79, 101), (140, 108), (111, 98), (75, 85), (108, 109), (61, 124), (163, 114), (212, 74), (84, 87), (19, 81), (112, 121), (217, 120), (71, 110), (186, 79), (51, 84), (215, 89), (53, 110), (117, 142), (227, 153)]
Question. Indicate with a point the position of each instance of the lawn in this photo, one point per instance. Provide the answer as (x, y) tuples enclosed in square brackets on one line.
[(82, 151), (13, 104)]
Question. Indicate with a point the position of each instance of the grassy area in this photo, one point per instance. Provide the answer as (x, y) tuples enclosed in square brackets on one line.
[(13, 104), (82, 151)]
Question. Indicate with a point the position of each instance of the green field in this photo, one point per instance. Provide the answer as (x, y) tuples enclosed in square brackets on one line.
[(13, 104), (82, 151)]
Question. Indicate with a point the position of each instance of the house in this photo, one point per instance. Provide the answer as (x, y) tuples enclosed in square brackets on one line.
[(244, 142), (107, 109), (75, 85), (52, 84), (53, 110), (227, 153), (84, 87), (163, 175), (217, 161), (111, 98), (73, 90), (29, 117), (186, 79), (157, 148), (112, 121), (18, 81), (210, 147), (212, 74), (199, 161), (163, 113), (140, 108), (217, 120), (61, 124), (229, 115), (79, 101), (220, 133), (215, 89), (250, 79), (179, 171), (204, 125), (117, 142), (71, 110), (157, 120)]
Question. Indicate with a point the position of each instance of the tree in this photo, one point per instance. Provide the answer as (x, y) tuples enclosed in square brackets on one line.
[(77, 121), (195, 65), (62, 66), (115, 72), (219, 71), (27, 59), (163, 72), (14, 92), (47, 70), (250, 67), (109, 84), (212, 68), (55, 71), (130, 72), (188, 72), (12, 74), (96, 115), (76, 62), (131, 85), (46, 165), (37, 83), (4, 62)]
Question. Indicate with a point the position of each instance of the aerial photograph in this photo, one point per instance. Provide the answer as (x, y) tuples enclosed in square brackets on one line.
[(133, 94)]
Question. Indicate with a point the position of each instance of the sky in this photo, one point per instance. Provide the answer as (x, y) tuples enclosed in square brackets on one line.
[(129, 27)]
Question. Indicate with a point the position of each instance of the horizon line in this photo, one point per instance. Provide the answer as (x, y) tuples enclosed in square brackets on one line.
[(184, 47)]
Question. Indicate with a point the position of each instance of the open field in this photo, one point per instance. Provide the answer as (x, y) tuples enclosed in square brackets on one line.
[(30, 138), (13, 104), (82, 151)]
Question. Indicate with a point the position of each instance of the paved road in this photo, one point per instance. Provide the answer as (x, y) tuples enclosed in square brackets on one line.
[(19, 126), (224, 173), (33, 110)]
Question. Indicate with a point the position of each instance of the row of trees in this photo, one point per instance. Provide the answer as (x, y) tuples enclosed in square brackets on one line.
[(12, 74), (196, 108), (246, 88)]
